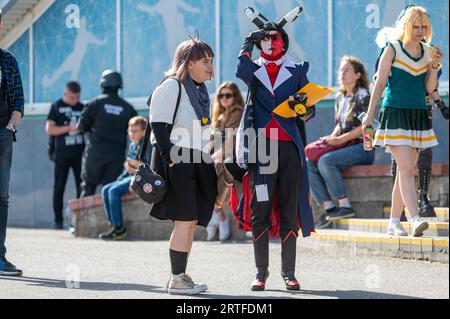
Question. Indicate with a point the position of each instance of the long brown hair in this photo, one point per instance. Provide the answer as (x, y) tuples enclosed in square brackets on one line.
[(358, 66), (188, 51), (218, 109)]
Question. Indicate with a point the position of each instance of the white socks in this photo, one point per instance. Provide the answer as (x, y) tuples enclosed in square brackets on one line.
[(328, 205), (415, 218), (345, 203), (394, 221)]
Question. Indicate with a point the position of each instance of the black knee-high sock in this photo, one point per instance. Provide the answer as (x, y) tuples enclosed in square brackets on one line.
[(178, 261), (288, 254), (261, 248)]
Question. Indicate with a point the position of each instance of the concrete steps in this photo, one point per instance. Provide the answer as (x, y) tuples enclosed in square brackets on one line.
[(380, 226), (430, 248), (441, 213), (369, 237)]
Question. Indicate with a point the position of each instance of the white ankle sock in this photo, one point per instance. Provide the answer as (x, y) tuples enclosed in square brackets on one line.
[(394, 221), (415, 218), (345, 203), (328, 205)]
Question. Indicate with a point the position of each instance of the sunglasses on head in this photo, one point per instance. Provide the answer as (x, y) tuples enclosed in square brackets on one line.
[(226, 96)]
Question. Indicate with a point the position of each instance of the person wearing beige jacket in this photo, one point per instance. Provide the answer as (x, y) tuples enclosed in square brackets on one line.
[(227, 113)]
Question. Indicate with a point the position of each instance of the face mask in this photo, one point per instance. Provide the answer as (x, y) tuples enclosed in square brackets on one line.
[(272, 45)]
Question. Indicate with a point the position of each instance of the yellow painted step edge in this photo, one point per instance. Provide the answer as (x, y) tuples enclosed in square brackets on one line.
[(377, 223), (438, 210), (435, 242)]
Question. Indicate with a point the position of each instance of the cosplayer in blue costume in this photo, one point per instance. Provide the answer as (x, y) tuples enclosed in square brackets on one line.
[(274, 204)]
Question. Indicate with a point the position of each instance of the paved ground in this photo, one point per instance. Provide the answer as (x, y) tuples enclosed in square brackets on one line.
[(53, 260)]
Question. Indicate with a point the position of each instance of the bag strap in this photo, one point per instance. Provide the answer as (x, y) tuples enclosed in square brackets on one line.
[(148, 130), (251, 93)]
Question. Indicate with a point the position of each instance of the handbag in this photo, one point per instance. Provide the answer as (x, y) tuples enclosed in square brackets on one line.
[(146, 183), (316, 150)]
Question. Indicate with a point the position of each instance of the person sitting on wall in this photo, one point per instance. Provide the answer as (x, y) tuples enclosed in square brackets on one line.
[(346, 139), (113, 192)]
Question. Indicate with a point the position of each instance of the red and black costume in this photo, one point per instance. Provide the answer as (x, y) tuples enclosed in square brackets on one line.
[(274, 204)]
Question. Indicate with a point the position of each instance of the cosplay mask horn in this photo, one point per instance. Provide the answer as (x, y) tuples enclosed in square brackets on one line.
[(256, 17), (290, 17), (259, 20)]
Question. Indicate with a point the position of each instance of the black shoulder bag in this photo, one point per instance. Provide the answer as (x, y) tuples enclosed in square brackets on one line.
[(146, 183)]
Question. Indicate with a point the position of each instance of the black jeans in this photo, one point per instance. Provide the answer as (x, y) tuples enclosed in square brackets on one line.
[(62, 167), (6, 151)]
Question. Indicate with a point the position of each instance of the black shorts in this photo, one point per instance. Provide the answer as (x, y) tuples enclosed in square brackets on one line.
[(191, 193)]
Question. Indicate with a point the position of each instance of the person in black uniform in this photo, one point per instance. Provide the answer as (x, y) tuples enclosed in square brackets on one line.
[(106, 120), (68, 145)]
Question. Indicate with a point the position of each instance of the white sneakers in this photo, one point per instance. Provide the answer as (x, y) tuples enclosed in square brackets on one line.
[(211, 230), (223, 227), (183, 284), (397, 230), (419, 226)]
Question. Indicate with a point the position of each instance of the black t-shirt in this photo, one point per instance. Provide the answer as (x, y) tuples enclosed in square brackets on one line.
[(69, 145)]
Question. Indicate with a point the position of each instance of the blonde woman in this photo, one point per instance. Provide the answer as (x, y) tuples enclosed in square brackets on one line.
[(192, 188), (227, 114), (408, 70)]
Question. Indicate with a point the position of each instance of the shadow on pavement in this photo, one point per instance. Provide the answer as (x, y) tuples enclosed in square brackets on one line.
[(85, 285), (347, 294), (106, 286)]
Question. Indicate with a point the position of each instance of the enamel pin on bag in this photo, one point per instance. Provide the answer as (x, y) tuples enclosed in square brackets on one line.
[(146, 183)]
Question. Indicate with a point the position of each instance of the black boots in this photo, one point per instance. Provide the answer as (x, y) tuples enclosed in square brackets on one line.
[(288, 256), (425, 207), (260, 282), (261, 248)]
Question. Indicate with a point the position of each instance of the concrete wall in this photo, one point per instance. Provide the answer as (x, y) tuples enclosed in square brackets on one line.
[(32, 172), (55, 52)]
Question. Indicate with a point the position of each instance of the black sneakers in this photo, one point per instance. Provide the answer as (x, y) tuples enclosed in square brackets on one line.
[(8, 269), (115, 233), (342, 213), (323, 222), (58, 226)]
